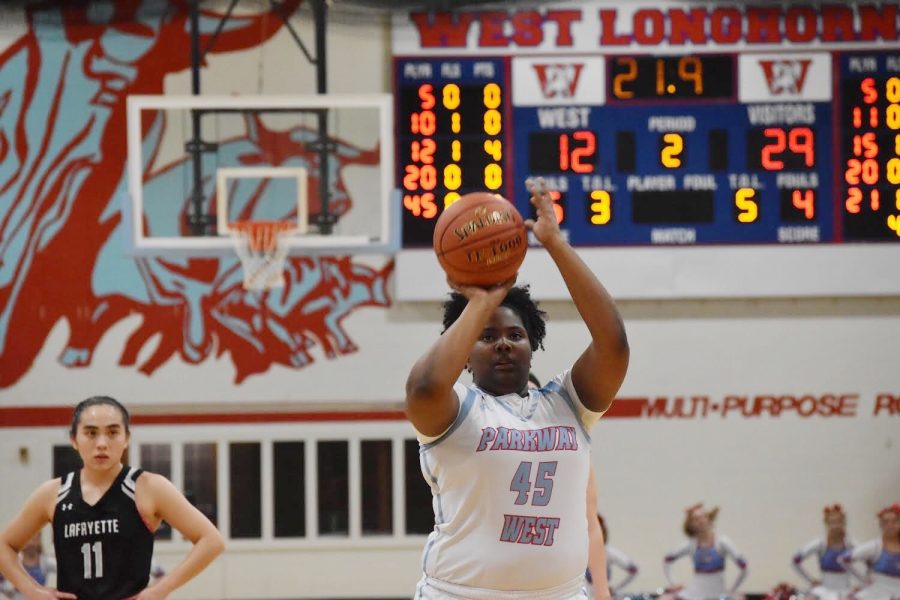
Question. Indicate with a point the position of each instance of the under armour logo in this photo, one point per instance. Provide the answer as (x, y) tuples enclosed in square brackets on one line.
[(785, 76), (67, 506), (558, 80)]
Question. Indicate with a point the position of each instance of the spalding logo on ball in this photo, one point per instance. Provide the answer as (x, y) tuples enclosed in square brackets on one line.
[(480, 239)]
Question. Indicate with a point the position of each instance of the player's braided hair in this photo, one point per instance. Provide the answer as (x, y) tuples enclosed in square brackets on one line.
[(94, 401), (519, 300)]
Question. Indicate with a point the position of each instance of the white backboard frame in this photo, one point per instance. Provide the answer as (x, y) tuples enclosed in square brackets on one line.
[(299, 174), (386, 242)]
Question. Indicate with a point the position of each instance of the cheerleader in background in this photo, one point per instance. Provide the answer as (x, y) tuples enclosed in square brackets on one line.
[(708, 551), (615, 558), (835, 580), (882, 557)]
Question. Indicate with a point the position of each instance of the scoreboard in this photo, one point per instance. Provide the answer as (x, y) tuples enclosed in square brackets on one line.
[(712, 147), (452, 139), (869, 146)]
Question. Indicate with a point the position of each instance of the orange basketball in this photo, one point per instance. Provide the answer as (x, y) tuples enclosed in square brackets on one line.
[(480, 239)]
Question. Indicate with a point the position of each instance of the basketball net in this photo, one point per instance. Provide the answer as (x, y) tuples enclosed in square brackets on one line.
[(262, 248)]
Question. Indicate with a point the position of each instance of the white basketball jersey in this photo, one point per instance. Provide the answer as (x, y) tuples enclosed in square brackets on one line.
[(509, 484)]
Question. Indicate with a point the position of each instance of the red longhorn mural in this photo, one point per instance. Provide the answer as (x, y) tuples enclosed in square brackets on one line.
[(63, 87)]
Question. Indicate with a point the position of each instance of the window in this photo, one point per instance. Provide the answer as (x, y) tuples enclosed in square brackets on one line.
[(419, 515), (200, 479), (333, 488), (157, 458), (277, 484), (289, 474), (377, 488), (245, 489)]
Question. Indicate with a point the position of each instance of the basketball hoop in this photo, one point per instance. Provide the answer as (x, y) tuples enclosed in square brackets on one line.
[(262, 248)]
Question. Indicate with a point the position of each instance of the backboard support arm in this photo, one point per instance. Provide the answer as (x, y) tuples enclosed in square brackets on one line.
[(199, 222)]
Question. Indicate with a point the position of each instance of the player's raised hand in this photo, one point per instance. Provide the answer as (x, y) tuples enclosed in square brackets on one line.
[(471, 292), (545, 227)]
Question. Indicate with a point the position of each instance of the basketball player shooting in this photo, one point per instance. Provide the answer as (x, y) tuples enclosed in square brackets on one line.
[(508, 467), (104, 516)]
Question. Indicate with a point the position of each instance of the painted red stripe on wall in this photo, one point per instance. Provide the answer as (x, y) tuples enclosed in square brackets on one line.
[(53, 416), (626, 408)]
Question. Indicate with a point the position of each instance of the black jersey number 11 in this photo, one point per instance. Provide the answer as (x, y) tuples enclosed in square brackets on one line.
[(93, 569)]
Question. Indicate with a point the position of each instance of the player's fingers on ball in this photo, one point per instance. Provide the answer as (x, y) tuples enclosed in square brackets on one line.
[(504, 283), (536, 190)]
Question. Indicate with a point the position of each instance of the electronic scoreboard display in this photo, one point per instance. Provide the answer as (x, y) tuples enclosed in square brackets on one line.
[(453, 137), (739, 147)]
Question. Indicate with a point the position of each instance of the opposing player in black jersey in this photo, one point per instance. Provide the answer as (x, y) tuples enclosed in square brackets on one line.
[(103, 518)]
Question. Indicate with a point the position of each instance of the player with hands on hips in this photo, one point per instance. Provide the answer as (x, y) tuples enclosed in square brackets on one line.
[(103, 517), (618, 559), (882, 558), (508, 466), (708, 550), (835, 580)]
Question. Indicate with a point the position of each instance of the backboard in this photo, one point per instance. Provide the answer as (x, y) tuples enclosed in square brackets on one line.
[(324, 163)]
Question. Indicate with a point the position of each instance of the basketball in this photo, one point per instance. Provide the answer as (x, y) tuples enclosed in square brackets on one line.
[(480, 239)]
